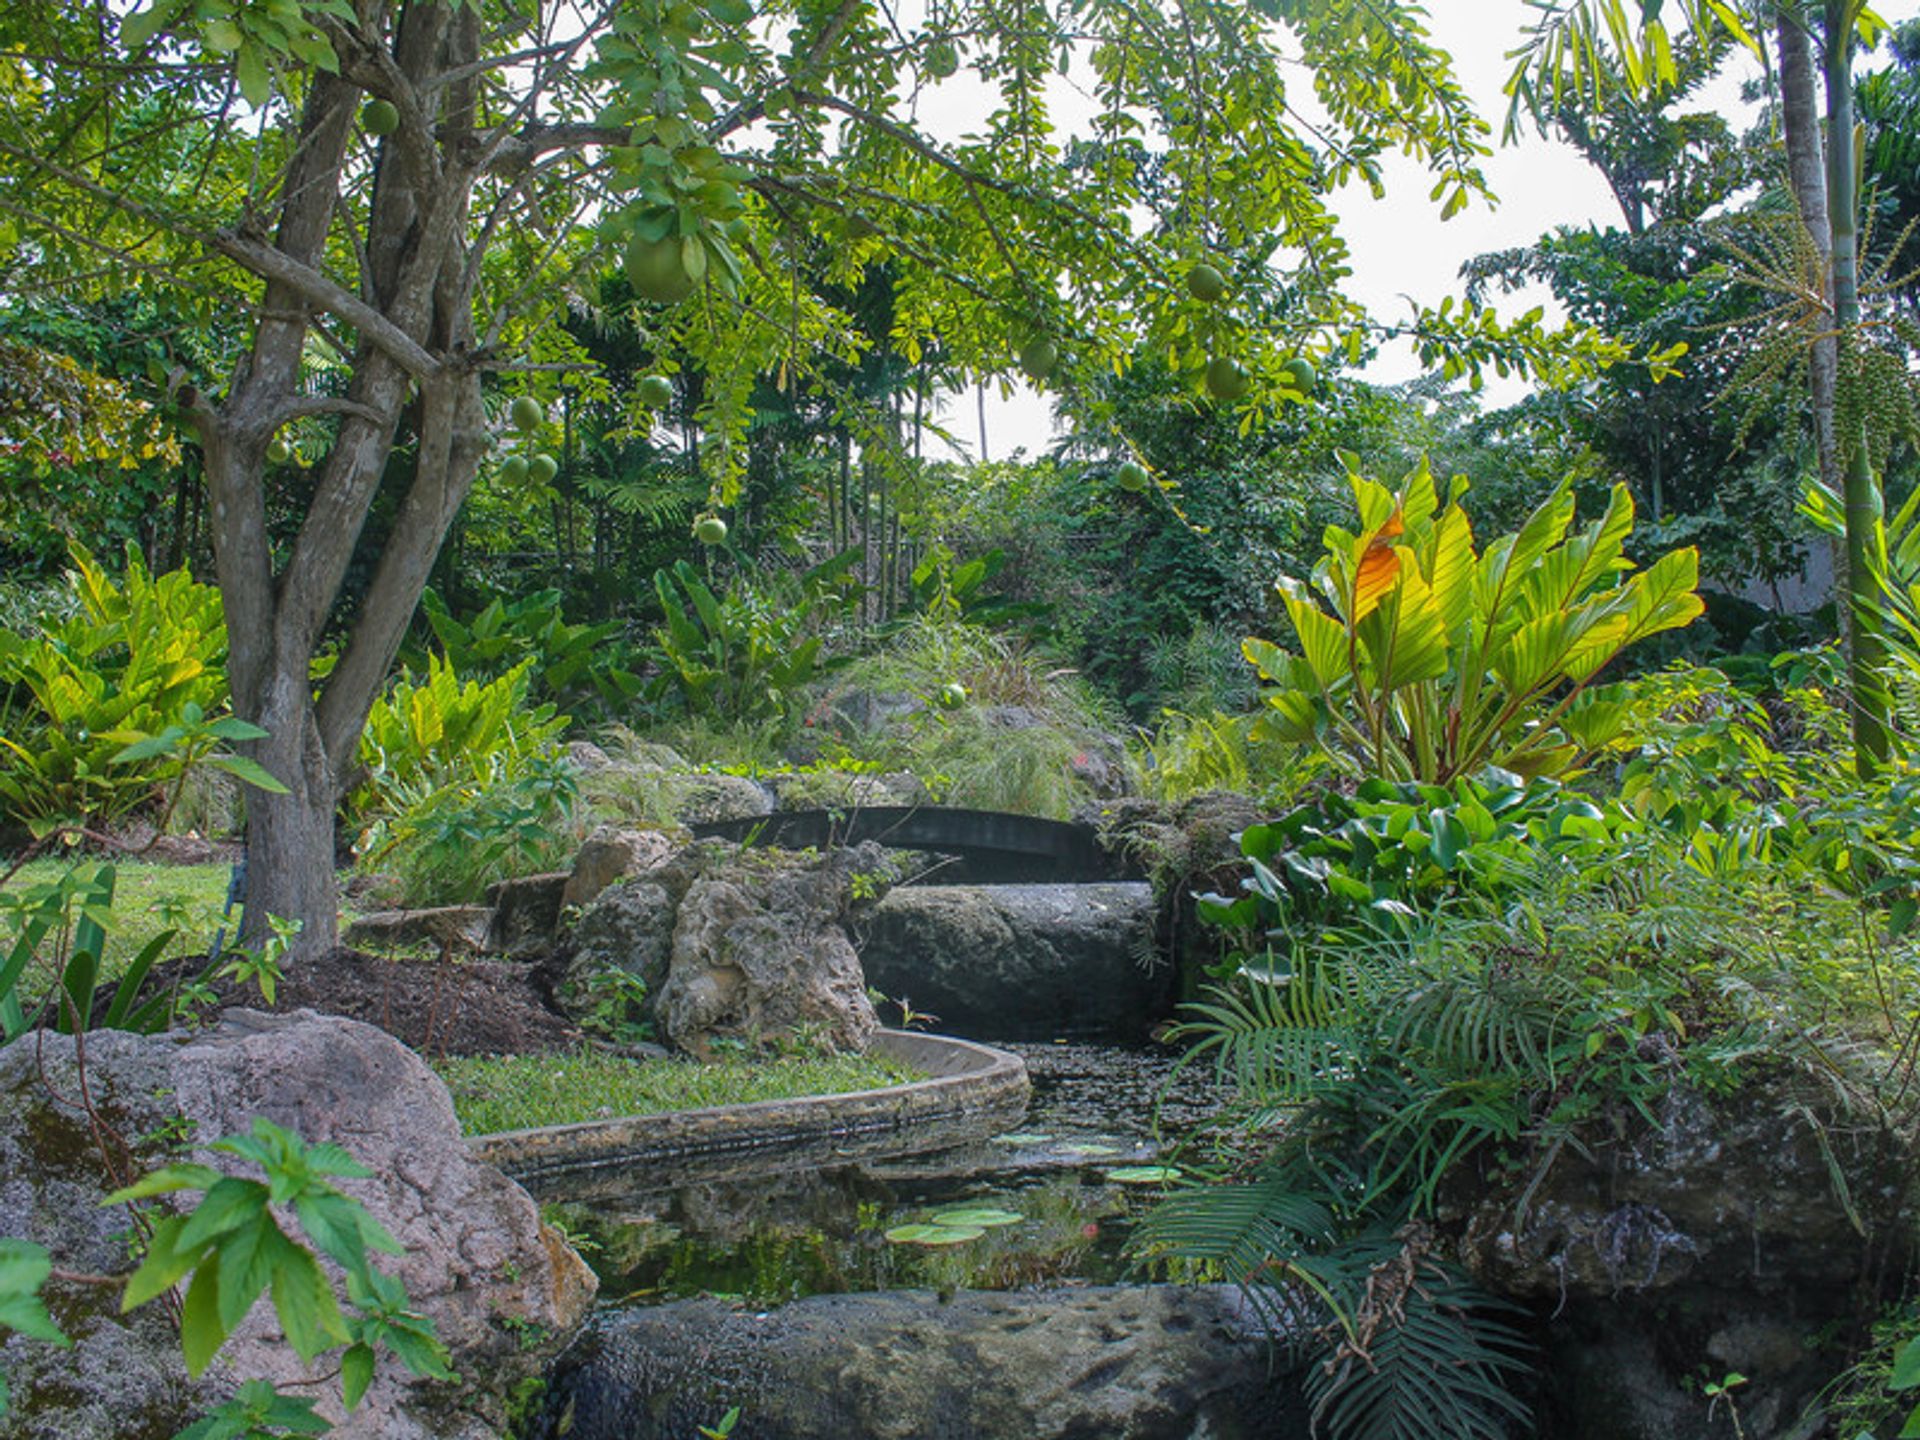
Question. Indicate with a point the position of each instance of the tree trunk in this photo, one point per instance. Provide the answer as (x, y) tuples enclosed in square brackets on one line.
[(1861, 488), (290, 848), (1807, 175)]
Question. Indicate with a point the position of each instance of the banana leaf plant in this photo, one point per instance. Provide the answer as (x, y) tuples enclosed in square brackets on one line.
[(1421, 658)]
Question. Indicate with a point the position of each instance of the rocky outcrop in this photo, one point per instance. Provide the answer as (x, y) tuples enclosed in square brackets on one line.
[(760, 949), (1022, 962), (499, 1286), (1715, 1239), (611, 853), (1119, 1363), (459, 928)]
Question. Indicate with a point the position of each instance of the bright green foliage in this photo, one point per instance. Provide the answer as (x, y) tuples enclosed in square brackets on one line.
[(24, 1268), (449, 840), (93, 694), (571, 663), (64, 923), (745, 655), (1437, 660), (422, 735), (231, 1250), (1379, 856)]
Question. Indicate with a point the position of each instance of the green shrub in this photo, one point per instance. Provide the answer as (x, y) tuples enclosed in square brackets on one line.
[(745, 656), (1433, 661), (425, 735), (77, 691), (573, 665), (450, 839)]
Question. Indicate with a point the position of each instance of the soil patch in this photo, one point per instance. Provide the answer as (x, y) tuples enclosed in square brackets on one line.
[(439, 1008)]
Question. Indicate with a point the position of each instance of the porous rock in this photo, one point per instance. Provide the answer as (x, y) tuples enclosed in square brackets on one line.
[(1715, 1237), (478, 1261), (1119, 1362), (462, 928), (760, 949), (1022, 962), (526, 913), (610, 853)]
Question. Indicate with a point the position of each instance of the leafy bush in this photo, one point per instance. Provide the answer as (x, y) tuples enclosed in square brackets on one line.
[(572, 665), (1436, 661), (77, 691), (1374, 859), (1377, 1068), (745, 656), (448, 841), (1190, 754), (424, 735)]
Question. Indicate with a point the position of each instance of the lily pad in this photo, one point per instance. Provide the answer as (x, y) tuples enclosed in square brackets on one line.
[(984, 1218), (1022, 1137), (934, 1234), (1144, 1174), (1090, 1148)]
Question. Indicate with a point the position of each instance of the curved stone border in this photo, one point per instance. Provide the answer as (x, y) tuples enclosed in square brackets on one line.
[(971, 1091)]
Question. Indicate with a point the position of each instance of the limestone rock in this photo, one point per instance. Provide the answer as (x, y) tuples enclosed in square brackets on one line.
[(461, 928), (611, 853), (709, 798), (760, 950), (587, 757), (479, 1262), (1120, 1363), (628, 928), (1022, 962), (526, 913)]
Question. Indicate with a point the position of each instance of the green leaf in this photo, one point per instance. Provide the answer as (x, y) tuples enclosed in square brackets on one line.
[(201, 1331), (1906, 1367), (249, 771), (165, 1181), (256, 81), (304, 1302), (24, 1267), (356, 1373), (27, 1315)]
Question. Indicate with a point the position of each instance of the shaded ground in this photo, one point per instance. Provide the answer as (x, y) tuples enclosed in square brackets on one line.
[(466, 1007)]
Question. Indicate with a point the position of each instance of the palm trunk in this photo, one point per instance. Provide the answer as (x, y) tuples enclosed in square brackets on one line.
[(1861, 488)]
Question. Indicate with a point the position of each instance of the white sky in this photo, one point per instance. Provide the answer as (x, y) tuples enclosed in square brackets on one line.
[(1401, 249)]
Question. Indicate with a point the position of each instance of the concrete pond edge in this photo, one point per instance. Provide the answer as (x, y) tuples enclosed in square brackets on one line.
[(970, 1091)]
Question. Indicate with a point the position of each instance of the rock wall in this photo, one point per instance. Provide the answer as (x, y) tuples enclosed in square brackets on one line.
[(1098, 1363)]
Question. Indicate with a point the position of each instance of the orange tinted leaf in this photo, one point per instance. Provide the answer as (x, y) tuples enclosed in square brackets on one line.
[(1379, 568)]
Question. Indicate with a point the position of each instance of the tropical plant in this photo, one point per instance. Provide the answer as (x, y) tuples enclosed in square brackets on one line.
[(449, 840), (440, 731), (570, 663), (744, 656), (1437, 661), (141, 658)]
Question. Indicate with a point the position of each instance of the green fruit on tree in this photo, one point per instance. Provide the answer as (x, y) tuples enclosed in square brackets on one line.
[(513, 469), (526, 414), (542, 468), (657, 271), (656, 392), (710, 530), (952, 695), (1302, 376), (1225, 379), (279, 452), (380, 117), (1131, 476), (943, 59), (1206, 283), (1038, 357)]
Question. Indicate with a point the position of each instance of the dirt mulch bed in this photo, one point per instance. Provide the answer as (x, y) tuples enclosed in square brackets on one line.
[(466, 1007)]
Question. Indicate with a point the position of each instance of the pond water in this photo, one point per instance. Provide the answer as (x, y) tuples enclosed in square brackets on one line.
[(1051, 1200)]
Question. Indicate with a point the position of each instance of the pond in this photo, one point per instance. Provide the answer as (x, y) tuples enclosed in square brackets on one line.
[(1050, 1200)]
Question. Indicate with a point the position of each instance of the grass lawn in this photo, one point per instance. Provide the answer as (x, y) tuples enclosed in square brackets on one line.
[(147, 899), (520, 1091)]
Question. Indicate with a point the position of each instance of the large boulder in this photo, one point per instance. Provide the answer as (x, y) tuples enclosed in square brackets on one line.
[(501, 1288), (609, 854), (1715, 1237), (461, 929), (1119, 1363), (1022, 962), (760, 949)]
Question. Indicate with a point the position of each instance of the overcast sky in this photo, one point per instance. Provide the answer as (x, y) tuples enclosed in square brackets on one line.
[(1400, 247)]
